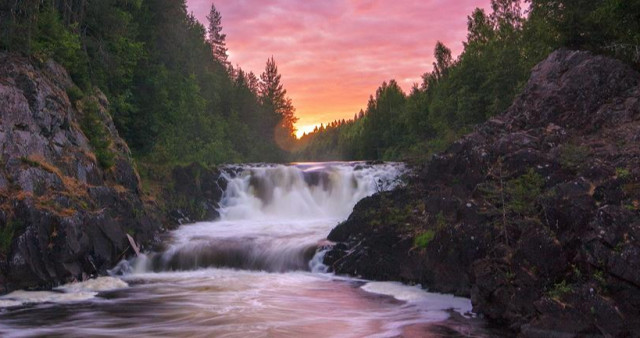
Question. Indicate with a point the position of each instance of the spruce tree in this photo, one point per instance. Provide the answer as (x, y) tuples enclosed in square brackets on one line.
[(216, 39)]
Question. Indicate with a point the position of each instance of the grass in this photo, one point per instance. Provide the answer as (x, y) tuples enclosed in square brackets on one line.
[(72, 185)]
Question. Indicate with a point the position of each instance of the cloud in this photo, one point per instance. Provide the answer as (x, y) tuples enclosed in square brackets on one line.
[(333, 54)]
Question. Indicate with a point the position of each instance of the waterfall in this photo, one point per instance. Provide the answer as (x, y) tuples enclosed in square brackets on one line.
[(304, 191), (274, 218)]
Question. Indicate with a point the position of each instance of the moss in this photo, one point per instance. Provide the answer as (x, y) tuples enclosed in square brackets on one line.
[(423, 240)]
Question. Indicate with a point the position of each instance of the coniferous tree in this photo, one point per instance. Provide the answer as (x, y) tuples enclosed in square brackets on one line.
[(216, 39), (274, 98)]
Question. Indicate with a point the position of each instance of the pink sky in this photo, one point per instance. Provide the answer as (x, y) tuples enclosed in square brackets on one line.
[(333, 54)]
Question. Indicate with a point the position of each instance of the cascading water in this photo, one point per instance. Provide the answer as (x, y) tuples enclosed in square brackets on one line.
[(307, 191), (256, 271), (274, 218)]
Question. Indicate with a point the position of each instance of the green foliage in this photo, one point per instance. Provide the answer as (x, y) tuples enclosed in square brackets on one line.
[(423, 239), (599, 277), (523, 192), (573, 156), (452, 98), (502, 47), (97, 133), (173, 96), (559, 290), (55, 40), (75, 94), (623, 173)]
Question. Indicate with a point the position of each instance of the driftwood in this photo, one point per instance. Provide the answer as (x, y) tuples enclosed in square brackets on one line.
[(133, 244)]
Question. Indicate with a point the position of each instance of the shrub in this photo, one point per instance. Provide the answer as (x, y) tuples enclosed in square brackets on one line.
[(97, 134), (75, 94), (523, 192), (623, 173), (559, 290)]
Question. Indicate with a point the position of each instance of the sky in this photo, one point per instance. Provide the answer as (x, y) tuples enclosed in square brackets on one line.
[(333, 54)]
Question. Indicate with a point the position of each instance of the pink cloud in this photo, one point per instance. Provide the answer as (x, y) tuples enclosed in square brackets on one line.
[(333, 54)]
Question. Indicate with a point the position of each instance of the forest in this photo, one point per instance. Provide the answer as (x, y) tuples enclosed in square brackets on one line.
[(501, 48), (173, 94), (176, 98)]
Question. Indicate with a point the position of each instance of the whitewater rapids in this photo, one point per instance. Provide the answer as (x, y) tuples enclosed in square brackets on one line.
[(256, 271)]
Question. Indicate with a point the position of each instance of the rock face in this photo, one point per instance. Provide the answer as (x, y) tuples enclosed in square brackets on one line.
[(194, 194), (69, 193), (535, 215)]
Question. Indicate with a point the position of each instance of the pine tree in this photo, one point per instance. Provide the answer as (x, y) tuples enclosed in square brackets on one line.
[(216, 38), (274, 98), (253, 83)]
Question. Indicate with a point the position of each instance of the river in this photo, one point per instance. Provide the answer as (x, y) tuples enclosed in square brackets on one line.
[(255, 272)]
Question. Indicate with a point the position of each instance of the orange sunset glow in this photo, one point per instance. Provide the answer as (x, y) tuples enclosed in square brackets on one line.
[(333, 54)]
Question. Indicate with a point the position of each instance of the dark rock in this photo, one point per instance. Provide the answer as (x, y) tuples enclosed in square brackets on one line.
[(535, 215), (194, 194)]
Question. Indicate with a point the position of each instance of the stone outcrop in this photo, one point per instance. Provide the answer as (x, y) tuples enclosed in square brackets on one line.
[(535, 215), (194, 194), (69, 192)]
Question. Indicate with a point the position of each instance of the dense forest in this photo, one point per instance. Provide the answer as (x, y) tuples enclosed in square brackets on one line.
[(501, 48), (174, 96)]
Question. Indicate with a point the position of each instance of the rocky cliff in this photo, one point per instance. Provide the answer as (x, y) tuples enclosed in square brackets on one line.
[(535, 215), (186, 194), (70, 196)]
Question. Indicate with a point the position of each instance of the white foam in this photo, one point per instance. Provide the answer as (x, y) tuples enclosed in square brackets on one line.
[(281, 192), (28, 297), (73, 292), (415, 294), (95, 285)]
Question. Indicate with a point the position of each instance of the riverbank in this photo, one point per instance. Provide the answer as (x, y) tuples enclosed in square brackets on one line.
[(534, 215)]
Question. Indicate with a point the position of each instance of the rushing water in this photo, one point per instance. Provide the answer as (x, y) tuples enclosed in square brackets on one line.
[(256, 272)]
